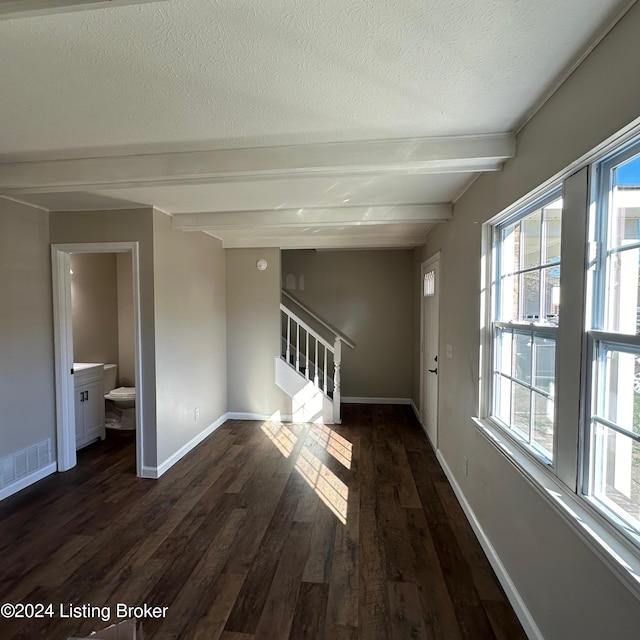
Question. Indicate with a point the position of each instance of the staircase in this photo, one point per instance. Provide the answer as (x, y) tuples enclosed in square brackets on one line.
[(308, 367)]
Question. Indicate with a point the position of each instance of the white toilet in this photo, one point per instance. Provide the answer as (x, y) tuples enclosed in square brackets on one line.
[(120, 405)]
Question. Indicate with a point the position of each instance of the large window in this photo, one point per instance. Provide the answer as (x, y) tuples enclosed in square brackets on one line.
[(562, 338), (526, 316), (613, 438)]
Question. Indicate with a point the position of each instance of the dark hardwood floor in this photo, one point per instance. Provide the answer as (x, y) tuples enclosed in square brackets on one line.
[(265, 531)]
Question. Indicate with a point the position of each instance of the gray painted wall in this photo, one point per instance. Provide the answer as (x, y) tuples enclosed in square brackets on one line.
[(253, 332), (190, 333), (135, 225), (126, 329), (368, 296), (566, 587), (94, 305), (102, 306), (27, 396)]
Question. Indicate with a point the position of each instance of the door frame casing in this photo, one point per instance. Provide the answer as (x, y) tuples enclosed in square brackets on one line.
[(63, 345), (424, 267)]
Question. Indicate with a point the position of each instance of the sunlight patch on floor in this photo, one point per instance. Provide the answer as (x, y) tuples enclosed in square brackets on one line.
[(281, 436), (337, 446), (328, 487), (325, 483)]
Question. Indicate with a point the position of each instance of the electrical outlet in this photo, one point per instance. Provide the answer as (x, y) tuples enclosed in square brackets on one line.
[(196, 413)]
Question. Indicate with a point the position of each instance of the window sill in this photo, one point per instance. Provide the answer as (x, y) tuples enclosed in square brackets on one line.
[(599, 535)]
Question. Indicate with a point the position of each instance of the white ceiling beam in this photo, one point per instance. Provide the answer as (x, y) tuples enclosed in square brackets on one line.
[(325, 242), (408, 156), (316, 217), (10, 9)]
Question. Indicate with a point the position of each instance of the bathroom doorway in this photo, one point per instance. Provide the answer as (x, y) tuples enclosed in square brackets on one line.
[(64, 349)]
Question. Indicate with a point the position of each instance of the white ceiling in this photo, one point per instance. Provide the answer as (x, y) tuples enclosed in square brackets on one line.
[(164, 92)]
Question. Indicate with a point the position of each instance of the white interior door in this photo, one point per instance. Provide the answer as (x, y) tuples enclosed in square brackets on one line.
[(430, 333)]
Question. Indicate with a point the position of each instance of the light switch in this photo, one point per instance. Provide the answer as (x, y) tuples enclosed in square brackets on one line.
[(449, 351)]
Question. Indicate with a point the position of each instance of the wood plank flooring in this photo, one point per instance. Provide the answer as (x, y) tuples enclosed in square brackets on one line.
[(264, 532)]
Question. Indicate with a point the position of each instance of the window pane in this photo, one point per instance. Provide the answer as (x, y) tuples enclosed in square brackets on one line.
[(551, 298), (509, 298), (429, 284), (622, 291), (616, 473), (624, 216), (502, 399), (504, 340), (530, 296), (522, 357), (544, 356), (543, 423), (510, 249), (552, 226), (521, 405), (621, 401), (531, 228)]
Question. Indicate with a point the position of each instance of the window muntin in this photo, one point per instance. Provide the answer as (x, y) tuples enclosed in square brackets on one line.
[(527, 309)]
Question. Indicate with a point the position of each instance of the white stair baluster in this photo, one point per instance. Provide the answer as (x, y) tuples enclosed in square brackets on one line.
[(315, 377), (306, 357), (325, 370), (337, 361), (288, 339), (297, 347)]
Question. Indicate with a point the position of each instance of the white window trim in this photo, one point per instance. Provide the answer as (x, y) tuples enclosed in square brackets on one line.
[(592, 528), (600, 197)]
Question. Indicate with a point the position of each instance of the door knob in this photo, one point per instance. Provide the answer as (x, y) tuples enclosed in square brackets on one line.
[(434, 370)]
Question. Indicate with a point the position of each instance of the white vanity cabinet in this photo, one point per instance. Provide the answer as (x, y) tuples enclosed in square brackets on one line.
[(89, 394)]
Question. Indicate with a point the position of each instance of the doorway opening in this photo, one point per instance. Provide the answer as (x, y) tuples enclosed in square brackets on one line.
[(64, 351)]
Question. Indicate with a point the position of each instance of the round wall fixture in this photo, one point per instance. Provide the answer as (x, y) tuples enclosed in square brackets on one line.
[(261, 264)]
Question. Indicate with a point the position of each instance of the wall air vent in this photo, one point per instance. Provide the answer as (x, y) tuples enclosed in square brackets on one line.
[(25, 8), (22, 463)]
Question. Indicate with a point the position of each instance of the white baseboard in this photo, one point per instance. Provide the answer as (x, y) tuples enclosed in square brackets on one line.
[(26, 481), (358, 400), (416, 412), (258, 416), (525, 617), (156, 472)]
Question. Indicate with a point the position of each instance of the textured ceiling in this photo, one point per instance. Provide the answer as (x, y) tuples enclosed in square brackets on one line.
[(250, 73), (185, 75)]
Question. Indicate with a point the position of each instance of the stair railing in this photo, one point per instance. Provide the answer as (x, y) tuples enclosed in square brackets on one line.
[(332, 330), (313, 356)]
